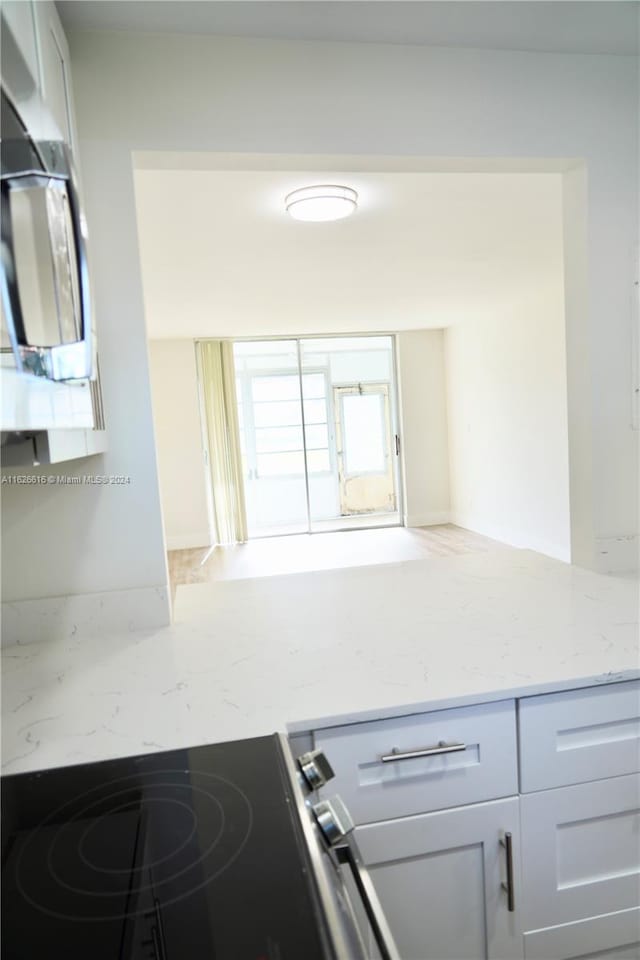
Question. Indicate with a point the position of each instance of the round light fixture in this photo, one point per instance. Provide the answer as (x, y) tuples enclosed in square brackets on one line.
[(321, 203)]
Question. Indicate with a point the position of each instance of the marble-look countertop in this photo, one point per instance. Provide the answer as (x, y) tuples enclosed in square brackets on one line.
[(249, 657)]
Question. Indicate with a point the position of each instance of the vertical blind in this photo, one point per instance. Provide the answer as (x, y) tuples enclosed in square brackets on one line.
[(225, 460)]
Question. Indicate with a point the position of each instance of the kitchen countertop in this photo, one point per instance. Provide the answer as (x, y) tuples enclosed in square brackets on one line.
[(249, 657)]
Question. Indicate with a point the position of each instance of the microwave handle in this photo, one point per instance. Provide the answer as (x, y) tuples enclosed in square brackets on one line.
[(66, 361), (348, 855)]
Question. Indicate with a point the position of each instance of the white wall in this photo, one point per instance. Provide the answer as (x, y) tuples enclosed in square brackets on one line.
[(139, 92), (508, 432), (176, 415), (424, 427)]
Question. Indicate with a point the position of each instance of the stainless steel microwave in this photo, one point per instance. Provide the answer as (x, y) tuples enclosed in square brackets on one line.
[(44, 280)]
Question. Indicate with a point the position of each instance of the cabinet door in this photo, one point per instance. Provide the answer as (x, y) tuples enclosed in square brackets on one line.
[(439, 877), (19, 16), (56, 73), (580, 851), (615, 936)]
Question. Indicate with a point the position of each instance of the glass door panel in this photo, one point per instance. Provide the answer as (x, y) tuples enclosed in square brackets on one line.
[(349, 413), (365, 438), (365, 465), (270, 415), (317, 426)]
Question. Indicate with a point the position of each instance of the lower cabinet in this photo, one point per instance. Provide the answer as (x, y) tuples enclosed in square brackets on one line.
[(581, 851), (440, 879), (575, 826), (615, 936), (581, 876)]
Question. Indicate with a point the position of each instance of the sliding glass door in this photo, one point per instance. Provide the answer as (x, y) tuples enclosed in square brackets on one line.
[(318, 433)]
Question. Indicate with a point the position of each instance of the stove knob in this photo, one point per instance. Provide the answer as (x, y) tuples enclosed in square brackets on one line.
[(333, 818), (315, 768)]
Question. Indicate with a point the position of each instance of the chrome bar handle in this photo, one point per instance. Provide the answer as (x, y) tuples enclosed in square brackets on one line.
[(441, 748), (507, 843)]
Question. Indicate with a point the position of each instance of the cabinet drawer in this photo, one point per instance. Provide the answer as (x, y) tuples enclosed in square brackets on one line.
[(484, 768), (579, 735)]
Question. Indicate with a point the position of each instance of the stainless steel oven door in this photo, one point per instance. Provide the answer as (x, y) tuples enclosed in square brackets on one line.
[(353, 917), (367, 910)]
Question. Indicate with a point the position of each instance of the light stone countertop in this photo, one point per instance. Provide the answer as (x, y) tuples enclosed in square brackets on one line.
[(249, 657)]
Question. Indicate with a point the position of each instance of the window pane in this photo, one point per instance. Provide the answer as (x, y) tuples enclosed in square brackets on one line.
[(363, 428), (275, 388), (315, 411), (317, 437), (318, 461), (313, 386), (279, 414), (278, 439), (280, 464)]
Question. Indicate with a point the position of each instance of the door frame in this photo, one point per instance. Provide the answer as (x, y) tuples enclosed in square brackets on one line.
[(340, 391)]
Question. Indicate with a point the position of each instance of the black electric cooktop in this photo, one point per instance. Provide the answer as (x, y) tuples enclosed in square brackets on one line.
[(182, 855)]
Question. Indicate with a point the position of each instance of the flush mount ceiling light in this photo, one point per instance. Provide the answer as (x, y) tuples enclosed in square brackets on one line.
[(321, 203)]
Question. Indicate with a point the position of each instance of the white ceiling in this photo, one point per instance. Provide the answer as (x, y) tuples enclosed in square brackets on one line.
[(220, 257), (553, 26)]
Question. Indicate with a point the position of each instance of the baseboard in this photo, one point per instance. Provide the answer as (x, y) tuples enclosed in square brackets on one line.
[(84, 616), (547, 548), (618, 554), (189, 541), (427, 519)]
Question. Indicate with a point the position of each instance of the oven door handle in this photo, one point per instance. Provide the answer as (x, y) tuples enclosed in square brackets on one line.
[(348, 855)]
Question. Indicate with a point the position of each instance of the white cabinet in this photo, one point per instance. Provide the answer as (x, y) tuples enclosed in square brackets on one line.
[(35, 69), (581, 842), (432, 844), (19, 16), (439, 877), (615, 936), (55, 70), (581, 850), (579, 735), (416, 764)]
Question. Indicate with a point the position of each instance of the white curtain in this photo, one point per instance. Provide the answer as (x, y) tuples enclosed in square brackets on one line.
[(225, 460)]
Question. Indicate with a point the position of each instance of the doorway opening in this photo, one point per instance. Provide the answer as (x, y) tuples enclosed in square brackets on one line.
[(318, 429)]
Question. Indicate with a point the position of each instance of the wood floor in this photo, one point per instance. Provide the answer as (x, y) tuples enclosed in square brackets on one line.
[(323, 551)]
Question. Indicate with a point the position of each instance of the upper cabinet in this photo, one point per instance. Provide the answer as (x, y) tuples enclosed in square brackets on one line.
[(20, 17), (55, 74), (35, 55)]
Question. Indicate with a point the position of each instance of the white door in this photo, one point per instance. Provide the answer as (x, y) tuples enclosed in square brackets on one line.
[(439, 877), (581, 850), (363, 439)]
